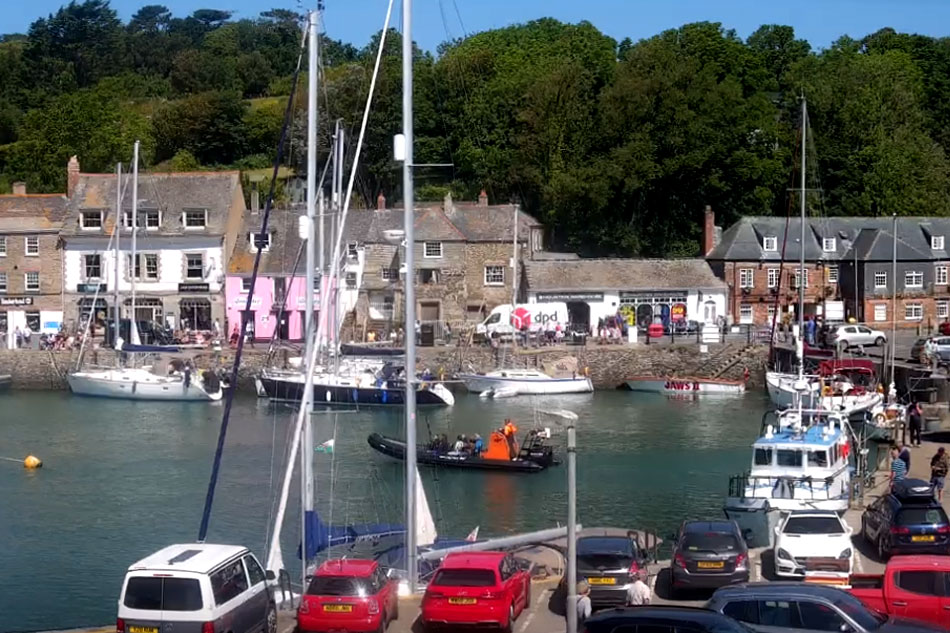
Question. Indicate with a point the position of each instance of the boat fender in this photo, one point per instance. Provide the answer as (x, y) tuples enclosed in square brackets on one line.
[(32, 461), (328, 395), (826, 390), (586, 371)]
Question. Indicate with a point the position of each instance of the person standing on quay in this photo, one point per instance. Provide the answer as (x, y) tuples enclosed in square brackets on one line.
[(583, 605), (898, 466), (939, 465), (916, 423)]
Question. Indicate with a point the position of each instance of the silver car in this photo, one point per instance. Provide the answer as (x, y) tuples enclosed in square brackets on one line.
[(851, 335)]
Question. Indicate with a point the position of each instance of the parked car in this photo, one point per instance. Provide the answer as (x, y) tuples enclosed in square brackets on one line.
[(850, 335), (610, 563), (907, 521), (944, 328), (661, 619), (708, 554), (476, 589), (791, 606), (197, 587), (911, 586), (812, 541), (350, 595)]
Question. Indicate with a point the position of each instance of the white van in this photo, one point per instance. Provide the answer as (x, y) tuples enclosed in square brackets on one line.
[(197, 588), (533, 317)]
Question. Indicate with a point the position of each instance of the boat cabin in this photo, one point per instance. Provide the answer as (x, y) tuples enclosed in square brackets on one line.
[(789, 452)]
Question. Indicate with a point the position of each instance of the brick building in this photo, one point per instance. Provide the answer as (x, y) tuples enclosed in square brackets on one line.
[(31, 263)]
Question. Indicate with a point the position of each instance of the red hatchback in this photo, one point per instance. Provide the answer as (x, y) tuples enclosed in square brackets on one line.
[(476, 589), (354, 596)]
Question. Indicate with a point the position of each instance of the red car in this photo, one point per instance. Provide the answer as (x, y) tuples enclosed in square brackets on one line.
[(348, 595), (476, 589), (910, 587)]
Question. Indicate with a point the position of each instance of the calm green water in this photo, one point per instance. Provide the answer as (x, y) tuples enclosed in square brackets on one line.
[(123, 479)]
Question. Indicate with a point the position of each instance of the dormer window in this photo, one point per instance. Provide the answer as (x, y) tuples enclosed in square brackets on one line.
[(936, 242), (149, 219), (259, 242), (195, 219), (770, 244), (351, 250), (90, 220), (828, 245), (432, 250)]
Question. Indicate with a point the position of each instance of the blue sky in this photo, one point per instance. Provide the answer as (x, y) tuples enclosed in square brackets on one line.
[(818, 21)]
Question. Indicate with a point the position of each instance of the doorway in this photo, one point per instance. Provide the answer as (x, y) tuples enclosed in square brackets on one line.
[(429, 311), (644, 315), (578, 316)]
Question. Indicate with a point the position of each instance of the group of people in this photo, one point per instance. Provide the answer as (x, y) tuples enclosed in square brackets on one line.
[(638, 595), (463, 445), (612, 329), (939, 466)]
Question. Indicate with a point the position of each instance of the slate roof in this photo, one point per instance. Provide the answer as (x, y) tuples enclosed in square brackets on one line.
[(460, 223), (870, 236), (32, 212), (621, 274), (171, 193)]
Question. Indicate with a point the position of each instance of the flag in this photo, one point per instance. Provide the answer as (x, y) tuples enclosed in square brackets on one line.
[(473, 535), (326, 447)]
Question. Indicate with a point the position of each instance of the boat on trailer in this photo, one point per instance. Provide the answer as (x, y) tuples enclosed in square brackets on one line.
[(681, 385)]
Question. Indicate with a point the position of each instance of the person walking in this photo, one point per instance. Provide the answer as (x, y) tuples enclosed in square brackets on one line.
[(915, 422), (939, 465), (583, 605), (898, 466), (639, 593), (904, 454)]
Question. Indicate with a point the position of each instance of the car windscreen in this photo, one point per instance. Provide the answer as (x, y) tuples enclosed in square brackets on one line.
[(337, 586), (605, 545), (909, 515), (464, 578), (152, 593), (710, 542), (813, 525), (854, 609)]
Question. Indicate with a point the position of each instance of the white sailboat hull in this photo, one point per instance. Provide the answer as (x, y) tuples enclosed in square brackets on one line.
[(138, 384), (782, 392), (525, 383)]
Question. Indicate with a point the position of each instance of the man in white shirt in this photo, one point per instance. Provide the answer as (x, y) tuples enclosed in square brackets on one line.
[(639, 593), (583, 602)]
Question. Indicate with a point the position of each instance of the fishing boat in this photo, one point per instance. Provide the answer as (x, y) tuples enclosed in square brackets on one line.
[(849, 386), (685, 385), (534, 454), (525, 382)]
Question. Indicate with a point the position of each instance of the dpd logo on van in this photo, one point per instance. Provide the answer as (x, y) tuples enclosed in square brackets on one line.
[(521, 318)]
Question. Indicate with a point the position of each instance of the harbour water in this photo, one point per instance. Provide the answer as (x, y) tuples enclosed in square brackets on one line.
[(121, 479)]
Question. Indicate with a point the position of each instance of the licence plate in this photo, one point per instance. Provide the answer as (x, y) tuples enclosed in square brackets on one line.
[(462, 600), (338, 608), (143, 629), (705, 564), (922, 538), (602, 581)]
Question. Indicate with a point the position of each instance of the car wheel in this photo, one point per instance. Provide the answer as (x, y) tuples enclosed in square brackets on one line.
[(527, 595), (671, 586), (270, 620), (506, 628), (880, 342)]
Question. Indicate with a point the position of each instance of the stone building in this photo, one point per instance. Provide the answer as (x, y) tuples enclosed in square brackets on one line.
[(187, 225), (31, 262)]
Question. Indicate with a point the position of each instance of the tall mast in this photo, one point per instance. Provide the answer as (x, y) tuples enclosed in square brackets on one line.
[(514, 261), (133, 326), (801, 263), (894, 300), (117, 253), (410, 296)]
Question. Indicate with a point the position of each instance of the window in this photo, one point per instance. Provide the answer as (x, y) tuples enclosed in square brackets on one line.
[(194, 266), (770, 244), (494, 275), (464, 578), (746, 278), (351, 250), (828, 245), (228, 583), (927, 583), (148, 219), (773, 277), (813, 525), (151, 266), (913, 312), (31, 282), (3, 282), (259, 241), (351, 280), (936, 242), (3, 245), (429, 275), (940, 275), (832, 274), (798, 278), (913, 279), (743, 610), (789, 458), (820, 617), (195, 218), (819, 459), (780, 613), (32, 245), (771, 313), (93, 266), (90, 220), (745, 313), (246, 284), (432, 249), (880, 279), (254, 571), (943, 309), (389, 274), (150, 593)]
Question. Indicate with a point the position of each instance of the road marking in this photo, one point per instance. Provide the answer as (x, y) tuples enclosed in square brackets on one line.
[(857, 563), (756, 570), (537, 603)]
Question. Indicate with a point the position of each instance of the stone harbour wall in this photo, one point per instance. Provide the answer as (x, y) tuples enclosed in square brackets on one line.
[(609, 365)]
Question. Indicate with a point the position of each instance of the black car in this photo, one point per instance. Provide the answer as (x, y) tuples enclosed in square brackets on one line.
[(791, 606), (657, 619), (707, 555), (609, 562), (909, 520)]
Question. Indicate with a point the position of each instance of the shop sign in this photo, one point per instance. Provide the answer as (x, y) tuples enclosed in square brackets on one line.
[(678, 311), (569, 296), (16, 301), (241, 301), (192, 287), (302, 301), (90, 288)]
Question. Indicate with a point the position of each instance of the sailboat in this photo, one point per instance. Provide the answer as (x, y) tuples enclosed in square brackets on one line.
[(139, 383)]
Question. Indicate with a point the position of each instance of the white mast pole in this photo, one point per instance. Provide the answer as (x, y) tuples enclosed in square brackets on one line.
[(117, 254), (133, 326), (801, 264)]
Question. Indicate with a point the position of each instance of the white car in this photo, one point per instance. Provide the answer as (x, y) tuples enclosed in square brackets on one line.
[(812, 541), (845, 336)]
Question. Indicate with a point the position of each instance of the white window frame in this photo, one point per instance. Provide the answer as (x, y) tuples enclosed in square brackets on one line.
[(880, 312), (352, 250), (3, 245), (35, 252), (184, 220), (828, 244), (880, 279), (936, 242), (143, 216), (425, 250), (189, 277), (82, 219), (746, 313), (797, 272), (389, 274), (770, 311), (913, 279), (246, 284), (833, 274), (770, 244), (773, 277), (940, 275), (943, 309), (144, 266), (491, 275), (913, 311), (252, 241), (747, 278), (26, 281), (350, 280), (85, 267), (3, 283)]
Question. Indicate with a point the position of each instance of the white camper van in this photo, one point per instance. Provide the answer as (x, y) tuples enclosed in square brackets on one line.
[(534, 317)]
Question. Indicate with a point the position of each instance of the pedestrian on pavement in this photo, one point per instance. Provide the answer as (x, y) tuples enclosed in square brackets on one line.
[(939, 465), (904, 454), (916, 423), (583, 603), (639, 593), (898, 466)]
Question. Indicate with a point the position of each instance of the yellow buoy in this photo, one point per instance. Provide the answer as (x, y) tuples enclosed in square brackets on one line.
[(32, 461)]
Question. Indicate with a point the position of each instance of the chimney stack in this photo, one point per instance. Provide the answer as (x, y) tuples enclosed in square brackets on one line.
[(380, 202), (255, 199), (447, 202), (72, 176), (19, 188), (483, 199), (709, 231)]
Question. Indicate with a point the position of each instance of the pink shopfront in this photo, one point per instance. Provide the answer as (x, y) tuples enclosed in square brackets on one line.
[(266, 317)]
